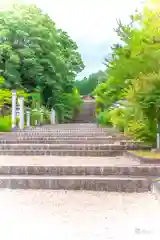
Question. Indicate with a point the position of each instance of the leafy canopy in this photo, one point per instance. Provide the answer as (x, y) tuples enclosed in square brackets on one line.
[(35, 54)]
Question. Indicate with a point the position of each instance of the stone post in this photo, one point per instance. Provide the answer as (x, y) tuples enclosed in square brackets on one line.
[(21, 104), (13, 109), (28, 118), (158, 135), (53, 116)]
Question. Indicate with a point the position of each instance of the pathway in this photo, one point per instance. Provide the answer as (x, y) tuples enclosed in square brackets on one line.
[(74, 215), (48, 215), (66, 161)]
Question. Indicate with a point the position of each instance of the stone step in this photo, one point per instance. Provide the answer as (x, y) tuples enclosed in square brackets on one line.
[(62, 141), (68, 131), (65, 130), (61, 152), (73, 170), (89, 133), (50, 138), (72, 127), (75, 147), (60, 134), (94, 183)]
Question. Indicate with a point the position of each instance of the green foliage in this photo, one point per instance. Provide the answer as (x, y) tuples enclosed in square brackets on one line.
[(45, 115), (87, 85), (17, 120), (68, 106), (40, 114), (35, 116), (133, 77), (34, 54), (103, 118), (141, 130), (117, 118), (5, 124), (6, 96)]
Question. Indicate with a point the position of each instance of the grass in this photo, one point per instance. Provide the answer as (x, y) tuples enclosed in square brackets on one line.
[(147, 154)]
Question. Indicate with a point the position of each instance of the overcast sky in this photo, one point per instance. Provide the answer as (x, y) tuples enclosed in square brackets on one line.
[(90, 23)]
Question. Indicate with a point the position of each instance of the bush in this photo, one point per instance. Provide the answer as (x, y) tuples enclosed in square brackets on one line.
[(103, 118), (41, 115), (35, 116), (68, 106), (5, 124), (45, 115), (17, 121), (141, 130), (117, 118), (135, 125)]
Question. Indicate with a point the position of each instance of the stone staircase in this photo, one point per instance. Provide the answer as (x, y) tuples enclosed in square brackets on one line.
[(87, 113), (44, 158), (65, 140)]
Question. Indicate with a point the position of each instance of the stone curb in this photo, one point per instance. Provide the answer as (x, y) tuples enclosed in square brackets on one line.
[(134, 171), (110, 184), (143, 160), (66, 146), (62, 152)]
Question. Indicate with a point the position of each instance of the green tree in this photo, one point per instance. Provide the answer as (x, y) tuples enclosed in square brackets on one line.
[(87, 85), (35, 54), (133, 76)]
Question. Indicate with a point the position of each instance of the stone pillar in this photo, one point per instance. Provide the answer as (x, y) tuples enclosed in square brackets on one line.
[(21, 104), (53, 116), (13, 109), (158, 135), (28, 118)]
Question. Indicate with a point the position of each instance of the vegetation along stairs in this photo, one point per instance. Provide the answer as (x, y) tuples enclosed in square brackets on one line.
[(97, 166)]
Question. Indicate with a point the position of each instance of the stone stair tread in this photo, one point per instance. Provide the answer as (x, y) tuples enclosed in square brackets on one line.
[(76, 177), (60, 144), (52, 142), (78, 170), (62, 150), (60, 139), (68, 161), (83, 165), (31, 136), (93, 183)]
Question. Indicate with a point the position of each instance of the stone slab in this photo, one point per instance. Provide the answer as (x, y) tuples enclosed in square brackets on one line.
[(80, 170), (61, 152), (66, 161), (93, 183)]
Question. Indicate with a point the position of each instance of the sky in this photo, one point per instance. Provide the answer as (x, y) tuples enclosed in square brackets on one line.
[(90, 23)]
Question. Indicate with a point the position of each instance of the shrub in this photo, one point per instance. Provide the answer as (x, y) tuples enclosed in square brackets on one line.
[(142, 130), (103, 118), (68, 106), (41, 114), (5, 124), (44, 115), (17, 121), (117, 118), (35, 116)]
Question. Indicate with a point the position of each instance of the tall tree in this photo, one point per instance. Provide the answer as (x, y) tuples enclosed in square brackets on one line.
[(34, 54), (133, 76), (87, 85)]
